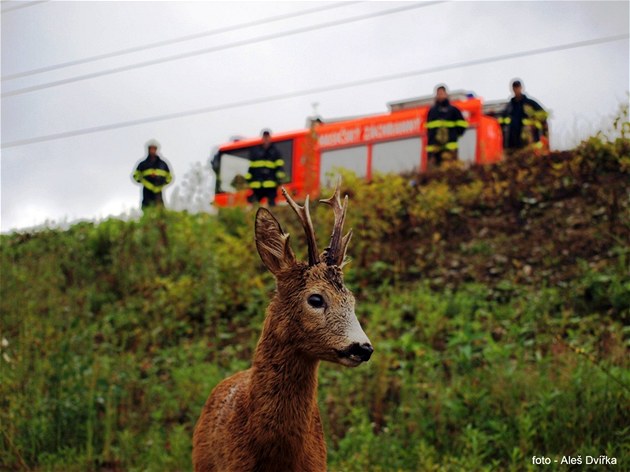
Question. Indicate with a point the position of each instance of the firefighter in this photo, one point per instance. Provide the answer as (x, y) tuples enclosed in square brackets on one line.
[(524, 121), (445, 123), (153, 173), (266, 171)]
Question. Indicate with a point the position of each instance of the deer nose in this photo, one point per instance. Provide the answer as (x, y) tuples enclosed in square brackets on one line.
[(362, 351)]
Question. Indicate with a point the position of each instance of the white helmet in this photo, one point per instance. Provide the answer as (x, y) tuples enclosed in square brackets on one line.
[(152, 143)]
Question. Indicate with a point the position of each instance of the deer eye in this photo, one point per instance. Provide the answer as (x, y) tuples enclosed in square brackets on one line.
[(316, 301)]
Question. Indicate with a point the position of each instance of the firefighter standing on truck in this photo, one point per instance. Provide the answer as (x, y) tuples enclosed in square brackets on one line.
[(154, 174), (266, 171), (524, 121), (445, 124)]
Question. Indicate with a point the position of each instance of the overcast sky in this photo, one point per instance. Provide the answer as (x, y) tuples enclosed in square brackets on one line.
[(87, 176)]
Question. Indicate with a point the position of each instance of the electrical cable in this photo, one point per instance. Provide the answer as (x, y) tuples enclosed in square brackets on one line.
[(180, 39), (223, 47), (298, 93), (21, 5)]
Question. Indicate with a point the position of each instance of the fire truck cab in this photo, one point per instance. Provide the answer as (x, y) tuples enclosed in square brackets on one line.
[(390, 142)]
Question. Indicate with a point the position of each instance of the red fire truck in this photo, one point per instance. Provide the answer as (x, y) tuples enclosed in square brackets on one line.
[(395, 141)]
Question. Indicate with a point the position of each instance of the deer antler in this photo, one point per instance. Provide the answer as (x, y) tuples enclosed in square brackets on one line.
[(336, 251), (305, 218)]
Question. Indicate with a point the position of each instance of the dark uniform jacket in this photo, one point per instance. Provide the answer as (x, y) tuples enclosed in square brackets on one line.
[(154, 175), (445, 123), (266, 169), (523, 121)]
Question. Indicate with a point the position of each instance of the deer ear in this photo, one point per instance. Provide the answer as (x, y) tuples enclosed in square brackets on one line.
[(272, 243)]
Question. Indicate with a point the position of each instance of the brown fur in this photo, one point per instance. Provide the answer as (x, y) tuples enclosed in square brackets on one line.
[(266, 418)]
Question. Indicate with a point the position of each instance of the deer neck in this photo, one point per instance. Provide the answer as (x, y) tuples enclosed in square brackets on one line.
[(283, 389)]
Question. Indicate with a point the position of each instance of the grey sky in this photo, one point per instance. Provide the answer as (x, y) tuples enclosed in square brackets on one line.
[(88, 176)]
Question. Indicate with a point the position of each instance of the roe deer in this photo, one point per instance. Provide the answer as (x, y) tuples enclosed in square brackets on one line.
[(266, 418)]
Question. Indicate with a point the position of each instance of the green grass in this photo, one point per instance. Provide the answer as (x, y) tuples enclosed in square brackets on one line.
[(96, 374)]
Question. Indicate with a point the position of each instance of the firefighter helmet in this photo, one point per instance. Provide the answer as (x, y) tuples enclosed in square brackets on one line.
[(153, 143)]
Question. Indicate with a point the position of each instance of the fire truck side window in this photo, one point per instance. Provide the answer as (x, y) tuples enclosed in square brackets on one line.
[(352, 158), (397, 156)]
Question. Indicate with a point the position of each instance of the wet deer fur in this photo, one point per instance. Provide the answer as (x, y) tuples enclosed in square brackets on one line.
[(266, 418)]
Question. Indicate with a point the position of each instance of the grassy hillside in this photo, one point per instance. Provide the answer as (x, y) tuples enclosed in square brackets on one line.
[(496, 297)]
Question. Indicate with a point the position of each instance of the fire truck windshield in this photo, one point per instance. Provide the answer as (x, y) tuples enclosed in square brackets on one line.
[(230, 166)]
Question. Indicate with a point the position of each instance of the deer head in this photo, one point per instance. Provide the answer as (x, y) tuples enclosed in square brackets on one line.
[(312, 309)]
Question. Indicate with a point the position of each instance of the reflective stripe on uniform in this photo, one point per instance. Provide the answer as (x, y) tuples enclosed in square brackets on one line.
[(149, 186), (160, 172), (505, 121), (446, 147), (139, 175), (532, 122), (248, 176), (280, 175), (541, 115), (279, 162), (447, 124), (263, 184), (267, 164)]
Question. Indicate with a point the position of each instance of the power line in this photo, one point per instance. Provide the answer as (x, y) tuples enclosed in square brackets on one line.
[(298, 93), (22, 5), (223, 47), (180, 39)]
